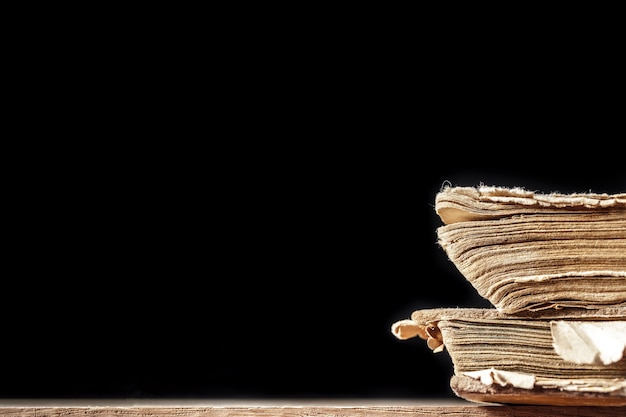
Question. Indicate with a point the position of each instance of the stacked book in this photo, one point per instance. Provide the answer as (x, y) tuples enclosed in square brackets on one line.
[(554, 268)]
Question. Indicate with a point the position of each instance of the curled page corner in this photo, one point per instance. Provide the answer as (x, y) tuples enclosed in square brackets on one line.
[(589, 342), (503, 378), (407, 329)]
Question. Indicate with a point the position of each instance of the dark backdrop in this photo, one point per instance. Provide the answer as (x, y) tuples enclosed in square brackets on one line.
[(236, 275), (244, 212)]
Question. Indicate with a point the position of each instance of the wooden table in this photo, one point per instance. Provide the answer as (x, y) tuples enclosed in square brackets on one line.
[(287, 408)]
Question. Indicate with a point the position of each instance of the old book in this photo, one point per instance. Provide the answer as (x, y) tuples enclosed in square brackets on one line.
[(556, 357), (527, 251), (554, 268)]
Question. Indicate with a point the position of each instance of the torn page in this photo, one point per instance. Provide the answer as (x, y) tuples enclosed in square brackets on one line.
[(589, 342), (503, 378)]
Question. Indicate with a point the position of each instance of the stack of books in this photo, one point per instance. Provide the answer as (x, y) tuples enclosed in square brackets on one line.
[(554, 268)]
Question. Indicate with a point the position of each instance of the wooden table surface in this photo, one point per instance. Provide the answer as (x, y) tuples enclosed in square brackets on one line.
[(286, 408)]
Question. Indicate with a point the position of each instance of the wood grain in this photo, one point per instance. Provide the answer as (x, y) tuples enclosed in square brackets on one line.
[(318, 408)]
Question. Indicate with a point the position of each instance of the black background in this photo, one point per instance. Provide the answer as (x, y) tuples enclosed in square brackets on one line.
[(256, 232), (268, 278)]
